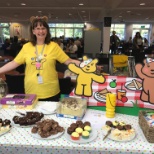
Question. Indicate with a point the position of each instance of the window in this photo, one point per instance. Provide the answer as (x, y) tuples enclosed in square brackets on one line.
[(67, 29), (120, 30), (59, 32), (53, 32), (4, 32), (68, 33)]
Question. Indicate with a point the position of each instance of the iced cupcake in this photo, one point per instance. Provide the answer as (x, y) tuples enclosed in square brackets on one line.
[(75, 136), (79, 130), (87, 128), (85, 134)]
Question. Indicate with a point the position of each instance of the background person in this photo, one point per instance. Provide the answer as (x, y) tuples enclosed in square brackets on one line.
[(114, 42)]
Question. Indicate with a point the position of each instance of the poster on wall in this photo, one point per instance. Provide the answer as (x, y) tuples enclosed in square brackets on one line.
[(130, 91), (17, 30)]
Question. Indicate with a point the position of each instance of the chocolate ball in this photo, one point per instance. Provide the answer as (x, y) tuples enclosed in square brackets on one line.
[(34, 129), (109, 123), (127, 127), (87, 123)]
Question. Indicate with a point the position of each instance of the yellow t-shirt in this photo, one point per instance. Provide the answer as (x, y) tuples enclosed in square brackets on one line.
[(51, 53)]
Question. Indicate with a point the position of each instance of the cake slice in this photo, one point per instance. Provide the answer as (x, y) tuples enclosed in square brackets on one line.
[(137, 84), (103, 93), (131, 85)]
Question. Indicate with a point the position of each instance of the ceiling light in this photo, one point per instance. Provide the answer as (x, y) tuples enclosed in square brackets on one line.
[(81, 4), (23, 4), (120, 16), (69, 14), (39, 11), (83, 11), (142, 3), (128, 11)]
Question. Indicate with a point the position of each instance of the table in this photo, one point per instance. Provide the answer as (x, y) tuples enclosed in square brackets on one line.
[(19, 140)]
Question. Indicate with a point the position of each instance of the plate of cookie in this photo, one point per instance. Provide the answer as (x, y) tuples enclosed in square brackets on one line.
[(47, 129), (80, 132), (26, 119), (118, 131)]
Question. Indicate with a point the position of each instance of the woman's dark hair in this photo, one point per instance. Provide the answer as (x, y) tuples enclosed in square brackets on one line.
[(34, 24)]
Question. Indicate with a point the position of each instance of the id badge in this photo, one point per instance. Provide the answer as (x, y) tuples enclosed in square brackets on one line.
[(39, 79)]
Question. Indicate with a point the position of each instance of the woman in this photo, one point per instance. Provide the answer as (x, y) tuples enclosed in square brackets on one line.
[(40, 56), (138, 42)]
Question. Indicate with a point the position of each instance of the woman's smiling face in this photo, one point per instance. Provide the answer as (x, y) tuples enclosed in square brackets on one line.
[(40, 31)]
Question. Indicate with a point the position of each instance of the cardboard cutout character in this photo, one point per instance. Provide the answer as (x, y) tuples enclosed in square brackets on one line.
[(85, 76), (146, 73)]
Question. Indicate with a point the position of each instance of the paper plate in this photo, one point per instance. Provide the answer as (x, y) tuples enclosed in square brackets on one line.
[(110, 136), (37, 136), (48, 107)]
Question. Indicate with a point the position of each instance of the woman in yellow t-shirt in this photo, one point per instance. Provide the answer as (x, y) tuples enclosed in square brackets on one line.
[(40, 56)]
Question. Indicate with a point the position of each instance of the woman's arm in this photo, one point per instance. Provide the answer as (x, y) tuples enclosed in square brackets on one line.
[(9, 66), (67, 62), (77, 62)]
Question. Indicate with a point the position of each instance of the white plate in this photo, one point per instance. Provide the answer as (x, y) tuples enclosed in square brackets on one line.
[(112, 138), (48, 138), (2, 133), (93, 135), (98, 98), (131, 88), (48, 107)]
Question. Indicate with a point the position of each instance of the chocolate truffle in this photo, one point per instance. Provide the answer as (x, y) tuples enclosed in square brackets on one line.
[(70, 130), (34, 129), (87, 123), (127, 127), (109, 123)]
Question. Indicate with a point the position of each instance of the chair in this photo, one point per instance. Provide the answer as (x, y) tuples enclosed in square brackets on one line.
[(65, 85), (105, 61), (15, 83)]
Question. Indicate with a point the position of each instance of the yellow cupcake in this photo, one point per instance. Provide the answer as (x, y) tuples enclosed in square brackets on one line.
[(79, 130), (75, 136), (85, 134), (87, 128)]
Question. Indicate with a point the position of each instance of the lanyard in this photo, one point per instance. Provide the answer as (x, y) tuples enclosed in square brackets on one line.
[(39, 56), (38, 59)]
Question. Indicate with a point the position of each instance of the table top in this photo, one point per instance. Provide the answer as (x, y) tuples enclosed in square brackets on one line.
[(20, 140)]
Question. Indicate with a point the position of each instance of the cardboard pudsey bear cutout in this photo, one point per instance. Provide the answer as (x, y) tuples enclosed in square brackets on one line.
[(86, 74), (146, 73)]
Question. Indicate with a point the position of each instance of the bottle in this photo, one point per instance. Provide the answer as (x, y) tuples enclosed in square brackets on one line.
[(110, 105)]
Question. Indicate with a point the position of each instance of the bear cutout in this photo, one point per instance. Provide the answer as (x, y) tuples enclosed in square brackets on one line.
[(146, 73), (85, 76)]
